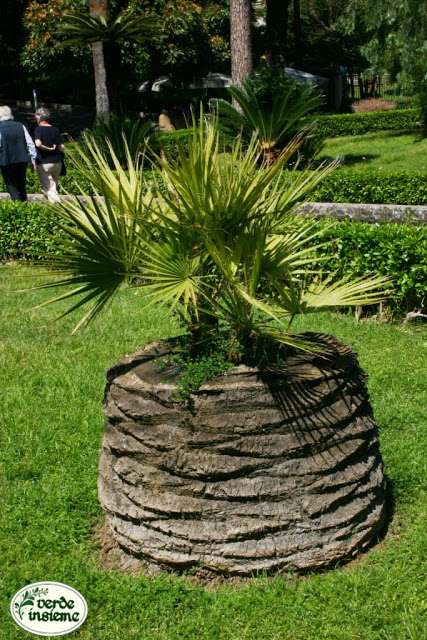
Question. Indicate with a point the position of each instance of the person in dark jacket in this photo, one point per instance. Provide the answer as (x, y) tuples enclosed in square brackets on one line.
[(16, 151), (50, 148)]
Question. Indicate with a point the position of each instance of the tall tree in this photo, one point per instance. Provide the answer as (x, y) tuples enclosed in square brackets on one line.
[(240, 41), (98, 9), (106, 34), (143, 39)]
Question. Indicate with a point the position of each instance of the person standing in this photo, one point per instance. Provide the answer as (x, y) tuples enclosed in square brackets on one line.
[(16, 151), (49, 144)]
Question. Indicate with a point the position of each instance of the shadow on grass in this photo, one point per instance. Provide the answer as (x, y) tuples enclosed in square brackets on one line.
[(348, 160)]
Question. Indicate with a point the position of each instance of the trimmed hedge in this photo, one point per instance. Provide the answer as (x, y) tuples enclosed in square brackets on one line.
[(395, 250), (372, 186), (368, 186), (29, 231), (353, 124), (67, 183), (330, 126)]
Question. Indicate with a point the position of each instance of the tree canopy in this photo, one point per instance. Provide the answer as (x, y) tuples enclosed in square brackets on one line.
[(193, 38)]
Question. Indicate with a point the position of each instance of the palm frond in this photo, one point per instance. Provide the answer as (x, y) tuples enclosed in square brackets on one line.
[(273, 120), (171, 278), (345, 292), (222, 245), (100, 166), (80, 28), (101, 252)]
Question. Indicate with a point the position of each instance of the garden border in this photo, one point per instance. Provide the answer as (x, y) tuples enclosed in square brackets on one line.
[(373, 213)]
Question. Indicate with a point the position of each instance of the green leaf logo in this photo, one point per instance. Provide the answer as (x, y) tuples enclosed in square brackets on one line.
[(48, 608)]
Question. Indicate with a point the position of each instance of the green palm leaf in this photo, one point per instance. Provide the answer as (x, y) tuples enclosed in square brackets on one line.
[(221, 245), (79, 27), (344, 293), (274, 121)]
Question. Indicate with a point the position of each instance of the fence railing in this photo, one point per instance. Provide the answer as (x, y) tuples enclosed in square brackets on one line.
[(376, 86)]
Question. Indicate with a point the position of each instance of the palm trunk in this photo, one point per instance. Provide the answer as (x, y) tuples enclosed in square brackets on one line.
[(257, 472), (241, 44), (99, 9)]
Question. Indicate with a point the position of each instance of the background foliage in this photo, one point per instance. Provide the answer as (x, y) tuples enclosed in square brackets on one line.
[(352, 124), (374, 187)]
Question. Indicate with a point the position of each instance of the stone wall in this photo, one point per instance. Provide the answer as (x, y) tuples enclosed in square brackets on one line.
[(374, 213)]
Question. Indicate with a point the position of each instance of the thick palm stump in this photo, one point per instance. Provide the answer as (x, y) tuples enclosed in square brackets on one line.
[(257, 473)]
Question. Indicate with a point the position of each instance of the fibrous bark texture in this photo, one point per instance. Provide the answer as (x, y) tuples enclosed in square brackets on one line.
[(99, 9), (258, 472), (240, 41)]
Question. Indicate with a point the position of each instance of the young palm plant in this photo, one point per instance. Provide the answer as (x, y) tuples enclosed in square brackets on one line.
[(273, 465), (220, 245), (273, 113)]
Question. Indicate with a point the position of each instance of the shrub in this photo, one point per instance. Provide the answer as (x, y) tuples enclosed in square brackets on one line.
[(395, 250), (172, 141), (137, 132), (67, 183), (27, 230), (273, 108), (352, 124), (373, 186)]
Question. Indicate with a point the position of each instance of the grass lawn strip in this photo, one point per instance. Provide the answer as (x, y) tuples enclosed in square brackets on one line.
[(383, 150)]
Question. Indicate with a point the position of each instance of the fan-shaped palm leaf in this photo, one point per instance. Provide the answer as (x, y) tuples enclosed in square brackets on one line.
[(222, 245)]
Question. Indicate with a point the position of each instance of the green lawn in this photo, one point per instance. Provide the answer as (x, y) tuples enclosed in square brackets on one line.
[(50, 429), (385, 150)]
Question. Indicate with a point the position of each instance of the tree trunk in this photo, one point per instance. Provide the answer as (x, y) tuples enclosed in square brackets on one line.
[(277, 31), (297, 30), (99, 9), (256, 472), (241, 41)]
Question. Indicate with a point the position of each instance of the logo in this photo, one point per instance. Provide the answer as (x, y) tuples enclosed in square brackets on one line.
[(48, 608)]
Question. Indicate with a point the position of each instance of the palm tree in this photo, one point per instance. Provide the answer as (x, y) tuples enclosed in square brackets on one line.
[(241, 42), (271, 108), (219, 243), (98, 9), (98, 29), (274, 464)]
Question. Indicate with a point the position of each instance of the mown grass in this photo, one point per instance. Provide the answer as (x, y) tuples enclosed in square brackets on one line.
[(383, 150), (51, 425)]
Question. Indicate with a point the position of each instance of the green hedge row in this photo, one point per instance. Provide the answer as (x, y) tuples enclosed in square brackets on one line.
[(329, 126), (368, 186), (396, 250), (67, 183), (27, 230), (372, 187), (353, 124)]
